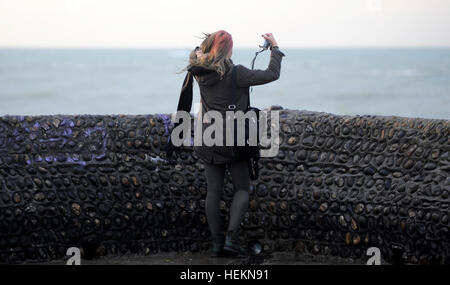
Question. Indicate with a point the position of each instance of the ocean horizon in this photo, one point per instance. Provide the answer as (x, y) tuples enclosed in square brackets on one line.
[(407, 82)]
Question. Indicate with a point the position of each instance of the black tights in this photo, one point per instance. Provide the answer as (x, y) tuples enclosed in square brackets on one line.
[(241, 181)]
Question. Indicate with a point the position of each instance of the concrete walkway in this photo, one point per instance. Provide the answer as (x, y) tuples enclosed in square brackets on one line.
[(276, 258)]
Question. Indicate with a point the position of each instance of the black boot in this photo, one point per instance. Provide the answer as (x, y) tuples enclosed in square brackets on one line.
[(218, 241), (232, 245)]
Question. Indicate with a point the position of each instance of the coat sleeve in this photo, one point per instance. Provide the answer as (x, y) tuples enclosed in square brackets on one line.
[(248, 77)]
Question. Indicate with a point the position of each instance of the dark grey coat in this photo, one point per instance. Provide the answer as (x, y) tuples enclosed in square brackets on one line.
[(215, 94)]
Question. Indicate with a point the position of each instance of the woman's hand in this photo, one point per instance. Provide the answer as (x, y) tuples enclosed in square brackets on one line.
[(270, 38)]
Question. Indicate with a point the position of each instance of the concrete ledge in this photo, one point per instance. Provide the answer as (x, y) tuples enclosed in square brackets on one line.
[(189, 258)]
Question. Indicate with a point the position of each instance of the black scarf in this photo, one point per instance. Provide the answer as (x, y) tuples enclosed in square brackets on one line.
[(185, 101)]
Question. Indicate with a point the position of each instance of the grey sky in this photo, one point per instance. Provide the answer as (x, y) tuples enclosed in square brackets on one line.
[(178, 23)]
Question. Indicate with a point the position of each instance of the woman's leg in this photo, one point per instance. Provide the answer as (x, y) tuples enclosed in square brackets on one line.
[(214, 178), (241, 181)]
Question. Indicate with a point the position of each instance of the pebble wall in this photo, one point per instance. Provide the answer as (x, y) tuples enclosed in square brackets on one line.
[(339, 185)]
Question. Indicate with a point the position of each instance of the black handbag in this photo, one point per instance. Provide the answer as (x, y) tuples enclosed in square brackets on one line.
[(249, 152)]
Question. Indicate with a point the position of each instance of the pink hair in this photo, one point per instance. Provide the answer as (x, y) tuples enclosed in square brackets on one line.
[(223, 43)]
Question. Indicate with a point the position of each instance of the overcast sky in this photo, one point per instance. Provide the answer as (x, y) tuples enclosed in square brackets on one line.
[(178, 23)]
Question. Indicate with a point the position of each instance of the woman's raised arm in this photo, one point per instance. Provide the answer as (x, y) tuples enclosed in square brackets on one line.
[(248, 77)]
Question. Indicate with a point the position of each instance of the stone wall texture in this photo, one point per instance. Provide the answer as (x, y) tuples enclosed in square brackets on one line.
[(339, 185)]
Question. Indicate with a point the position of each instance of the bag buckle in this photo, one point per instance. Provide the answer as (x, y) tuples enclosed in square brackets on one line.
[(231, 107)]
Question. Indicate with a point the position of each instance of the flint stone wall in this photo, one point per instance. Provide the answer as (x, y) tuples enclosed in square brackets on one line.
[(339, 185)]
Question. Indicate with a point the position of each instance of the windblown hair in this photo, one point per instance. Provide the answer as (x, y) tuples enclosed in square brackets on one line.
[(216, 48)]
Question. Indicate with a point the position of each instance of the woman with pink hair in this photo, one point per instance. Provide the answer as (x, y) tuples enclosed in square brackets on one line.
[(211, 65)]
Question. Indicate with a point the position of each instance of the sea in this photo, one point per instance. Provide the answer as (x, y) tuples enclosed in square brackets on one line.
[(407, 82)]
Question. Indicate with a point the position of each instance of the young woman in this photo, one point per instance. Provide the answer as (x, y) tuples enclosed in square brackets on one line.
[(211, 65)]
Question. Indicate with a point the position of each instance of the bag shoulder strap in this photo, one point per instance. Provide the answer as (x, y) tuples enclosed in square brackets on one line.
[(233, 97)]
